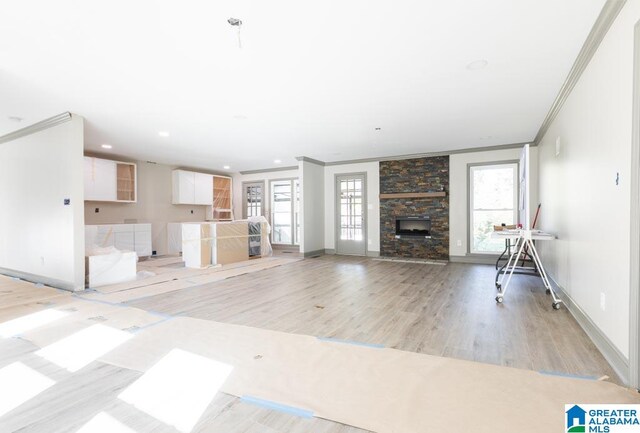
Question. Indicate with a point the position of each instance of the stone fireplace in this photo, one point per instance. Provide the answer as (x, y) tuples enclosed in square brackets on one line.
[(414, 208)]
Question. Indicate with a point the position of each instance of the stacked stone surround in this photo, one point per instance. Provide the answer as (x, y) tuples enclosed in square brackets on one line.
[(415, 175)]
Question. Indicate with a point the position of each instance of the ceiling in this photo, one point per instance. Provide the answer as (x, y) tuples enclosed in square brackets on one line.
[(312, 79)]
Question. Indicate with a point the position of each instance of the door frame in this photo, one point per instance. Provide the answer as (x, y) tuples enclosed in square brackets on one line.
[(294, 239), (336, 210), (244, 199), (634, 277)]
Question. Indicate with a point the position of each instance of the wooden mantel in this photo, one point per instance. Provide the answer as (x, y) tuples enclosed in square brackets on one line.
[(414, 195)]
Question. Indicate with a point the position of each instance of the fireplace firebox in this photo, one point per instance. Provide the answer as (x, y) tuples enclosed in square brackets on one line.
[(413, 227)]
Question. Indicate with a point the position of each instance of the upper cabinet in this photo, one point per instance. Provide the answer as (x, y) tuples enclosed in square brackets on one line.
[(201, 189), (106, 180), (184, 187), (204, 192)]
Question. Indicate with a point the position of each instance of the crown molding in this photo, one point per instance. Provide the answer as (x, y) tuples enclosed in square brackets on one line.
[(310, 160), (430, 154), (39, 126), (607, 16), (269, 170), (394, 157)]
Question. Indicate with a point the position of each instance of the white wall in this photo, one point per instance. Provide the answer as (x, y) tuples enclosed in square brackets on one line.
[(41, 238), (154, 205), (257, 177), (311, 207), (372, 169), (581, 202), (459, 190)]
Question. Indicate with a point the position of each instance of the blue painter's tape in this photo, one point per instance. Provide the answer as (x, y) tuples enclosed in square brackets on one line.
[(159, 314), (571, 376), (267, 404), (97, 301), (356, 343), (145, 327)]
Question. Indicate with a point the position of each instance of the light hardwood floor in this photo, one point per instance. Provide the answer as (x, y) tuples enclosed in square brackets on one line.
[(441, 310)]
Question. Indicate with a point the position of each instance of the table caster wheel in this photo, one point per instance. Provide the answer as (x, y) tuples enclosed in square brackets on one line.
[(548, 291), (499, 299), (556, 305), (498, 286)]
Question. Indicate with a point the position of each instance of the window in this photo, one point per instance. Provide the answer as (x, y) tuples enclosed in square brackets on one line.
[(493, 193), (253, 194), (285, 206)]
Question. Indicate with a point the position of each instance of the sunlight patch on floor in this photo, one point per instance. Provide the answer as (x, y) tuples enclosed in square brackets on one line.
[(104, 423), (19, 383), (83, 347), (31, 321), (178, 388)]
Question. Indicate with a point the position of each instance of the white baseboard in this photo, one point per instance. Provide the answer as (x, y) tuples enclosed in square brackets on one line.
[(611, 353), (476, 259)]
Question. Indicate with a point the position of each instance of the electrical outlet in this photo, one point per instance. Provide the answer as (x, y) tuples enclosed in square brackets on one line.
[(603, 303), (459, 243), (97, 210)]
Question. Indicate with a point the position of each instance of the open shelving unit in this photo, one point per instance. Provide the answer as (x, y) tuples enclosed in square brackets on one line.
[(126, 180), (222, 202)]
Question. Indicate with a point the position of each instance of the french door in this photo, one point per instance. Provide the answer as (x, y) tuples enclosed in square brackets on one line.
[(285, 207), (350, 214), (253, 199)]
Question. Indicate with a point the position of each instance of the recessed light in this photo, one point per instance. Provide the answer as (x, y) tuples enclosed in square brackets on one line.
[(226, 167), (477, 64), (277, 161), (106, 146), (240, 117), (163, 134)]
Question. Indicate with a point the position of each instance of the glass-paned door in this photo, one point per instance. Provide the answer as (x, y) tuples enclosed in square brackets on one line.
[(285, 196), (493, 201), (253, 199), (351, 215)]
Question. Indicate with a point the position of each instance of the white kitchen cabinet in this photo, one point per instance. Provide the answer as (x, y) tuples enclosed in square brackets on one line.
[(100, 179), (106, 180), (190, 187), (184, 187), (104, 269), (124, 237), (203, 189), (142, 239), (174, 238)]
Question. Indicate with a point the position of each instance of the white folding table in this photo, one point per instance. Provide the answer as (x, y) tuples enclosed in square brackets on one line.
[(524, 240)]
